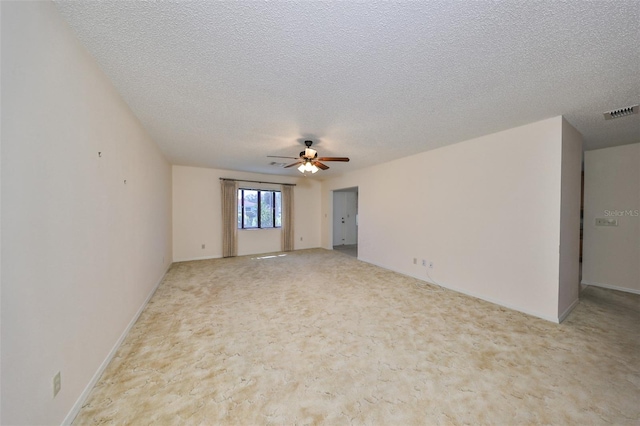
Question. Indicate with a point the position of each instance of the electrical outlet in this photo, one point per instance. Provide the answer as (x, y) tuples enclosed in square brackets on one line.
[(203, 246), (415, 261), (430, 265), (57, 384), (424, 262)]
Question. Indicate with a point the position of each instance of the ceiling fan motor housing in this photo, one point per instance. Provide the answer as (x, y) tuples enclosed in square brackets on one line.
[(309, 153)]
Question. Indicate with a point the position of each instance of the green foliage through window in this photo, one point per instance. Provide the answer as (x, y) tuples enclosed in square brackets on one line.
[(259, 209)]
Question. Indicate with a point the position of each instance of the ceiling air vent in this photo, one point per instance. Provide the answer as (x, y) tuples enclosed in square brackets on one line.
[(273, 163), (622, 112)]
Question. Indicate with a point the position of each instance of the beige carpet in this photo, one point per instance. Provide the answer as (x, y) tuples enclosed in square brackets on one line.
[(350, 249), (318, 337)]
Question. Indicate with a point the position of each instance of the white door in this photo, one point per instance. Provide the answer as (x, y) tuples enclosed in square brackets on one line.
[(339, 202), (345, 210), (351, 210)]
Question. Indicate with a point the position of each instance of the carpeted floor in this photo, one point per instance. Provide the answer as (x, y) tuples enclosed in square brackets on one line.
[(318, 337), (350, 249)]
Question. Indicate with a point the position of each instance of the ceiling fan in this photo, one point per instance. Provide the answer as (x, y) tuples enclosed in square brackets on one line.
[(309, 161)]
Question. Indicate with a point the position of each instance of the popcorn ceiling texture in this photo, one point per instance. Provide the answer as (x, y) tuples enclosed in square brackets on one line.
[(318, 337), (224, 84)]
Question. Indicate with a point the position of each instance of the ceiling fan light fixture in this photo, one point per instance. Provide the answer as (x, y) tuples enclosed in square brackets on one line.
[(308, 160)]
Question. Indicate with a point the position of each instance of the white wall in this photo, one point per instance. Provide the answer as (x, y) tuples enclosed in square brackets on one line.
[(81, 250), (569, 283), (197, 214), (485, 211), (611, 255)]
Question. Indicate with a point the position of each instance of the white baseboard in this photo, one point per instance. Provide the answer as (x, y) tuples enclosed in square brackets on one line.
[(197, 258), (87, 390), (568, 310), (190, 259), (556, 320), (611, 287)]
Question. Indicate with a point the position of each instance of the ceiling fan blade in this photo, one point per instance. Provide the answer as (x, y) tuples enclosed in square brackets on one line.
[(278, 156), (292, 164), (320, 165), (333, 159)]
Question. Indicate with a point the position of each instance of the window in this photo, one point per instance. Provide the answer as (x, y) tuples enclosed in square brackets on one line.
[(259, 209)]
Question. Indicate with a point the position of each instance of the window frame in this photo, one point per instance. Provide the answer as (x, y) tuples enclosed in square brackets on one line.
[(259, 208)]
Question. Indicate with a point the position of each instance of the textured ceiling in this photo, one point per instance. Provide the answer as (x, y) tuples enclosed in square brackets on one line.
[(224, 84)]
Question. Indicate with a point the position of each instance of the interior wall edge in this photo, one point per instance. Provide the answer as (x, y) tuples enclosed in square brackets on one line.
[(570, 206), (567, 311)]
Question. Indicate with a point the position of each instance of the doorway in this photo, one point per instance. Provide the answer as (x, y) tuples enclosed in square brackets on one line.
[(345, 221)]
